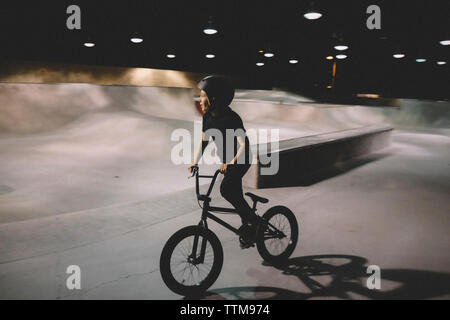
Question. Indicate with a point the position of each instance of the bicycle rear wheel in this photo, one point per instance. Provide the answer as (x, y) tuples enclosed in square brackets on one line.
[(278, 238), (186, 273)]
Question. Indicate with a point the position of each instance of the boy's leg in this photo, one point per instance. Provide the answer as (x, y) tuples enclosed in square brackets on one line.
[(231, 190)]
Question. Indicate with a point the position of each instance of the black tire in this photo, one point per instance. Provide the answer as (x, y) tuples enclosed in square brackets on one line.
[(171, 277), (283, 219)]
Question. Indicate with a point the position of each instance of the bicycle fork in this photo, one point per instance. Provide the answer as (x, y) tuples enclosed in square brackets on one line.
[(193, 256)]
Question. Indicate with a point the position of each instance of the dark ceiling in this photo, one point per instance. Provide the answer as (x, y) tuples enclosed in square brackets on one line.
[(36, 30)]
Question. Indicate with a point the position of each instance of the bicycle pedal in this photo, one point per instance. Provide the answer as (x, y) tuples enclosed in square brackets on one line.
[(247, 245), (244, 244)]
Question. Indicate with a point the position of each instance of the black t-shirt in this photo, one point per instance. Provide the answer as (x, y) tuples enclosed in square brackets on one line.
[(232, 121)]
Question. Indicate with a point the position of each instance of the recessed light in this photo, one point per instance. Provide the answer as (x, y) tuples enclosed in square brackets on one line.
[(89, 44), (210, 56), (312, 15), (421, 60), (341, 47), (170, 56), (210, 31), (341, 56), (441, 63), (329, 58), (293, 61), (398, 55), (445, 42), (136, 40), (260, 64), (268, 54)]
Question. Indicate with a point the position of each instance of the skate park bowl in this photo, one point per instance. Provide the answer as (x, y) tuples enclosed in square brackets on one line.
[(331, 134), (86, 177), (74, 146)]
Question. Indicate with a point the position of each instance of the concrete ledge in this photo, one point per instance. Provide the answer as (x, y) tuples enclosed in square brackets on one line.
[(300, 158)]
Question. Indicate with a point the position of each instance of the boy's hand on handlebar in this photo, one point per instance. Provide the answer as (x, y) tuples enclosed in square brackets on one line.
[(223, 168), (191, 168)]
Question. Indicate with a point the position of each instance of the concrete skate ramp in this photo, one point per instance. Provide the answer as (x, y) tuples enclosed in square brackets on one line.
[(277, 96), (74, 147), (300, 161), (331, 134), (34, 108), (327, 117)]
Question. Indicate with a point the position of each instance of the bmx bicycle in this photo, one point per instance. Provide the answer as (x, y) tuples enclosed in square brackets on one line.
[(192, 258)]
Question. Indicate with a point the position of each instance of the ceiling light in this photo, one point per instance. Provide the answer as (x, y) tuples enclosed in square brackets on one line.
[(312, 15), (210, 28), (421, 60), (210, 31), (398, 55), (441, 63), (341, 47), (293, 61), (89, 44), (329, 58), (341, 56), (260, 64), (170, 56), (268, 54), (210, 56), (445, 42), (136, 40)]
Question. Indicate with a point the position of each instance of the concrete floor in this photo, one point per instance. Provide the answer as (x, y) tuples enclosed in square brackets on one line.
[(86, 179), (389, 209)]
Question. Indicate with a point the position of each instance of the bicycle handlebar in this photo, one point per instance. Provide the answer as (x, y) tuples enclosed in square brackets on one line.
[(195, 171)]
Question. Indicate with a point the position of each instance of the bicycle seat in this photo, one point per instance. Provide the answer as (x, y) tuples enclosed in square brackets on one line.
[(255, 198)]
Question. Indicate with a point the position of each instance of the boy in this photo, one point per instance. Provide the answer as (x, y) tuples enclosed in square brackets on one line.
[(215, 97)]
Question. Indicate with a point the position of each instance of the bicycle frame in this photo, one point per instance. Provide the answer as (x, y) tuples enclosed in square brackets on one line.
[(207, 209), (206, 213)]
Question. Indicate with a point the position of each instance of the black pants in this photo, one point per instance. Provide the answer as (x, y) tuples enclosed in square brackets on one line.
[(231, 190)]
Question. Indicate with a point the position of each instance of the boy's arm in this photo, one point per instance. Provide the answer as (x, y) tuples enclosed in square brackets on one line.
[(240, 150), (201, 147)]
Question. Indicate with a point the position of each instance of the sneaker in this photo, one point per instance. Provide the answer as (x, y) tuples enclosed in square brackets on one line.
[(245, 245), (248, 236)]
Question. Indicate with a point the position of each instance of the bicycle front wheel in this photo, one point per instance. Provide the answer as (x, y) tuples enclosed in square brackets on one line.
[(191, 261), (278, 235)]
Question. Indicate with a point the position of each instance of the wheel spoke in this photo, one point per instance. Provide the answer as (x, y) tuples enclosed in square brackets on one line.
[(281, 226), (186, 272)]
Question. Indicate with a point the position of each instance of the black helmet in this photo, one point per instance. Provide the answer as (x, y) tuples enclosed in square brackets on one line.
[(219, 90)]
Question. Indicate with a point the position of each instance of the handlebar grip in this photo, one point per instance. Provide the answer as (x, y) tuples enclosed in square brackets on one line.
[(193, 171)]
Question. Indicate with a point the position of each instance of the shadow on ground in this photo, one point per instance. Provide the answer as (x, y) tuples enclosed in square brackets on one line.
[(348, 281), (339, 168)]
